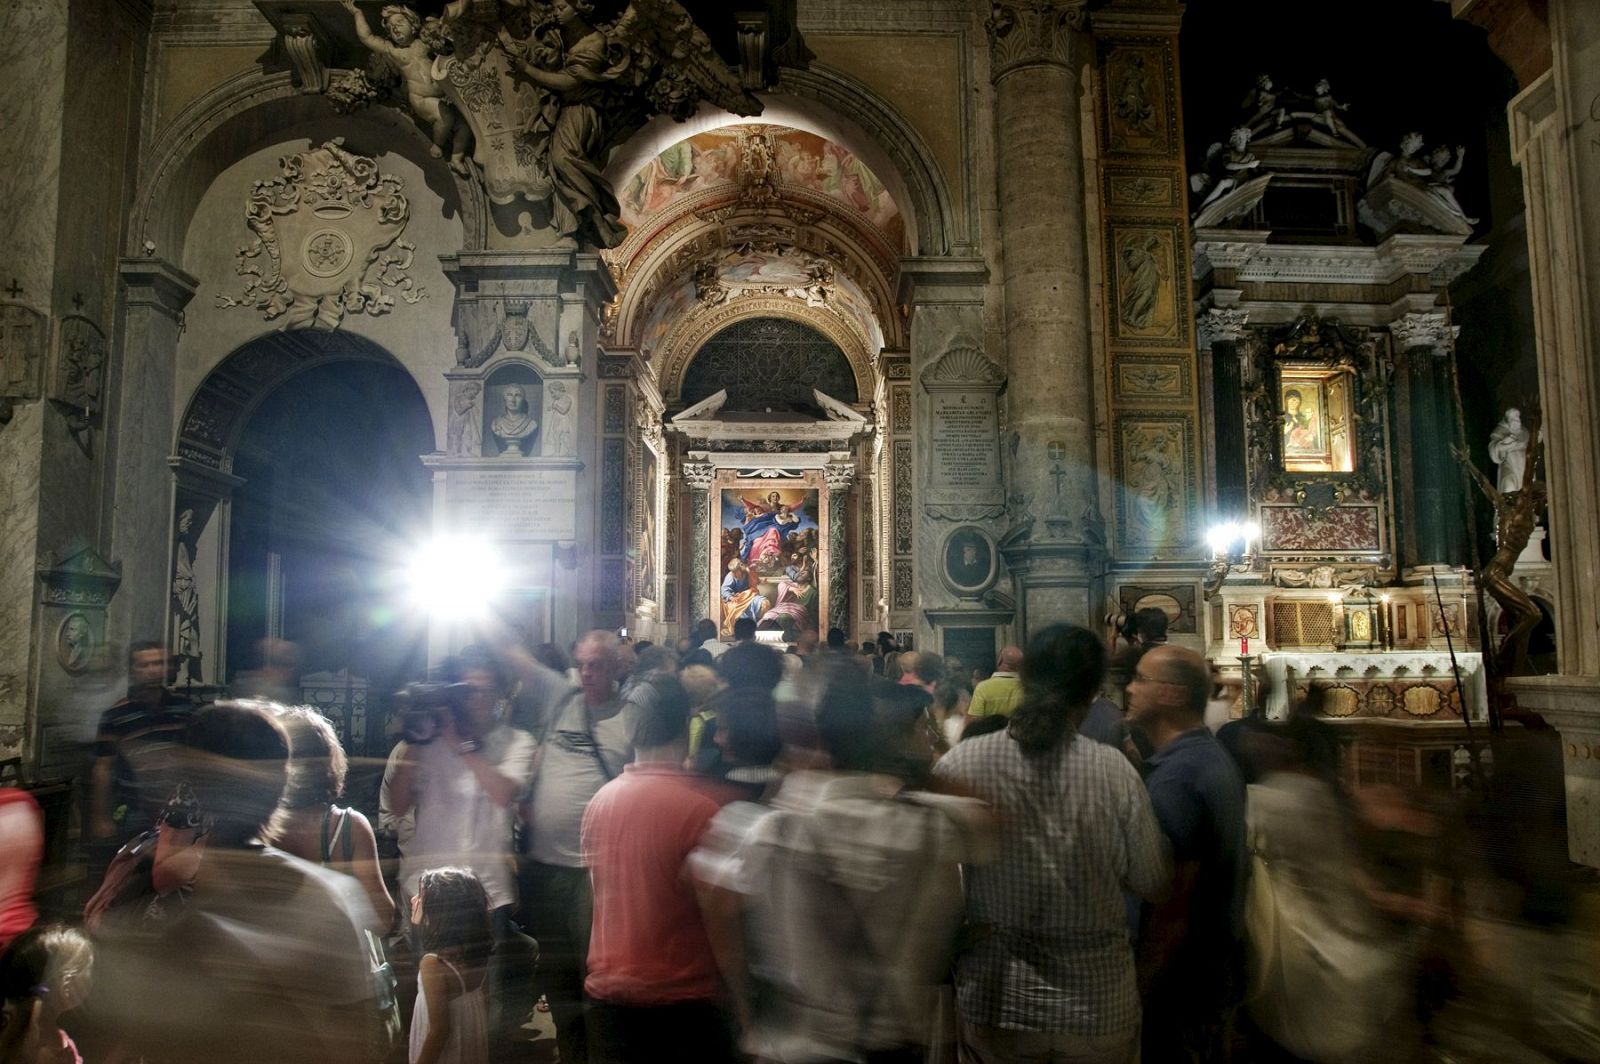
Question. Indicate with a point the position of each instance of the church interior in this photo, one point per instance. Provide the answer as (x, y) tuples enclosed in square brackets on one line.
[(946, 319)]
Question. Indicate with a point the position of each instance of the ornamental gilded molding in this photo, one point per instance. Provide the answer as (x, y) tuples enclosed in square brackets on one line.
[(1031, 33), (1431, 329)]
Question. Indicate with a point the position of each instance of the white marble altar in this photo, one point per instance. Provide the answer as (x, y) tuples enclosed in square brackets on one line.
[(1282, 669)]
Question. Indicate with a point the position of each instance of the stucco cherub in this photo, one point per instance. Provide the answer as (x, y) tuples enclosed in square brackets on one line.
[(402, 45)]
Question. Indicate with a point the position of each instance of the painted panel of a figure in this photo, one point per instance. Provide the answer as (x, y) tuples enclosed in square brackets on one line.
[(769, 557)]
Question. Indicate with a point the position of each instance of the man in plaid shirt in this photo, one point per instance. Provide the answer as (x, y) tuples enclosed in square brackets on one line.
[(1050, 974)]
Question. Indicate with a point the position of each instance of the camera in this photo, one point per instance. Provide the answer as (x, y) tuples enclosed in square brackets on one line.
[(424, 708)]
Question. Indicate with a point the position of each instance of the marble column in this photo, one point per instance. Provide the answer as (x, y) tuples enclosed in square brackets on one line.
[(141, 433), (1433, 515), (839, 476), (1555, 124), (1221, 332), (1036, 57), (697, 478)]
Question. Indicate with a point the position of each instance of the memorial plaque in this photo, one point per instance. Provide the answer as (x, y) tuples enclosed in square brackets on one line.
[(972, 646), (514, 504), (964, 452)]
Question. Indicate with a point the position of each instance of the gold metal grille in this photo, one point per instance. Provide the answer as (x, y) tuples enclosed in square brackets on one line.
[(1302, 624)]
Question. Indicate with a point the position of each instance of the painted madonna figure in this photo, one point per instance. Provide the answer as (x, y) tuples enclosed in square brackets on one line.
[(514, 429)]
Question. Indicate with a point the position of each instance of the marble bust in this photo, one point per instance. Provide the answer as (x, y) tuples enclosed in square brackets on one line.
[(514, 428), (1508, 449)]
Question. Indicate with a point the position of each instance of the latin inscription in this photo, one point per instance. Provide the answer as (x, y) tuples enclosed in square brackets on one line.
[(965, 454), (514, 504)]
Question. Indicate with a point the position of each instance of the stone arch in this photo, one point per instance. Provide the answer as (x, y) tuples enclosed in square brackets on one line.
[(245, 112), (220, 408)]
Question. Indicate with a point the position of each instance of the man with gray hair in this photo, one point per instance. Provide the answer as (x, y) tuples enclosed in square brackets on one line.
[(584, 740)]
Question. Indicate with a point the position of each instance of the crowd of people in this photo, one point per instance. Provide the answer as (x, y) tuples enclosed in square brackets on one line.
[(805, 853)]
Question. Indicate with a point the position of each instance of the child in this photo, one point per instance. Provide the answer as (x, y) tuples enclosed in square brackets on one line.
[(43, 973), (450, 1023)]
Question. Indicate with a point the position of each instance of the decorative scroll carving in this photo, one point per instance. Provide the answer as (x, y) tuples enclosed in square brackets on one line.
[(327, 241), (963, 364), (1029, 32)]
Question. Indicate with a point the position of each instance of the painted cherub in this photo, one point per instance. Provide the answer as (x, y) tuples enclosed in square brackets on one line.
[(403, 46)]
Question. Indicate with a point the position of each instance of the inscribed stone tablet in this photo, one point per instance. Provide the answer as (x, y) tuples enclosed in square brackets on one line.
[(514, 504)]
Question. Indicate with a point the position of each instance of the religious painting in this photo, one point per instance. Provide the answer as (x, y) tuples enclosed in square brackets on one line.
[(969, 561), (1315, 406), (1154, 492), (769, 555)]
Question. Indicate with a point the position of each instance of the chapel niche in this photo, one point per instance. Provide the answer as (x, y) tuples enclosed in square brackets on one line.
[(511, 430)]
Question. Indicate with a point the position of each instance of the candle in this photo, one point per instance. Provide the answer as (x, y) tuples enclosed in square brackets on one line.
[(1244, 646)]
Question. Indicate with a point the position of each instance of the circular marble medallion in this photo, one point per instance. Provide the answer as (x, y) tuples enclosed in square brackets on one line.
[(327, 252)]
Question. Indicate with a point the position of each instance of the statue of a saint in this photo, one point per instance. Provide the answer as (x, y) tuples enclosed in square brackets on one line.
[(1508, 450), (513, 430)]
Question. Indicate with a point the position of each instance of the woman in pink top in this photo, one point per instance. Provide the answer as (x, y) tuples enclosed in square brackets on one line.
[(21, 846)]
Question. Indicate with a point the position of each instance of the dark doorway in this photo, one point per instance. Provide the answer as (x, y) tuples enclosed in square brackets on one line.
[(334, 497)]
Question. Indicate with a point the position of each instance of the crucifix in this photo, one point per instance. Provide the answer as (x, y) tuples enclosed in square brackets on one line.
[(77, 302), (14, 289)]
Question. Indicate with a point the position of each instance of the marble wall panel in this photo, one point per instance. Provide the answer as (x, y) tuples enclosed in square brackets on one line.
[(33, 54)]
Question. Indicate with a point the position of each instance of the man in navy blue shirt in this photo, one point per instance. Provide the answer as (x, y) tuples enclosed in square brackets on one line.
[(1190, 952)]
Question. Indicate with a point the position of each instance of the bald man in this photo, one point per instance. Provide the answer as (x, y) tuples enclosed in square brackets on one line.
[(1002, 691), (1190, 950)]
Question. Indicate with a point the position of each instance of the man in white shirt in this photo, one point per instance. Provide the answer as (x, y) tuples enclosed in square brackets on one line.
[(585, 737)]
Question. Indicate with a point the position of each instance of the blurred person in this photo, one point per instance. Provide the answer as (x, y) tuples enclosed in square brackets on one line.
[(276, 677), (309, 823), (269, 959), (707, 638), (741, 743), (751, 666), (701, 684), (921, 669), (555, 659), (984, 726), (950, 706), (450, 1023), (584, 740), (849, 886), (21, 850), (1191, 961), (911, 736), (1002, 691), (652, 977), (744, 631), (462, 786), (650, 663), (134, 750), (837, 641), (806, 642), (1326, 977), (684, 645), (45, 973), (1050, 975)]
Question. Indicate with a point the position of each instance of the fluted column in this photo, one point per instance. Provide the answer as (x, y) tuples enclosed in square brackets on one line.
[(1435, 525), (697, 478), (1035, 55), (839, 476)]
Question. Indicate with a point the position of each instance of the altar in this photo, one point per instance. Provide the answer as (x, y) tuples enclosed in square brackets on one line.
[(1399, 685)]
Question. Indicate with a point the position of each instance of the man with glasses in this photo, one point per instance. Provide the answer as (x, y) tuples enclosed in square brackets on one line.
[(1190, 951)]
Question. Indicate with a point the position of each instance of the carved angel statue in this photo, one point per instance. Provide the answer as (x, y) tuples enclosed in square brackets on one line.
[(1516, 513), (1262, 104), (1328, 108), (404, 47), (599, 82), (1434, 172), (1225, 167)]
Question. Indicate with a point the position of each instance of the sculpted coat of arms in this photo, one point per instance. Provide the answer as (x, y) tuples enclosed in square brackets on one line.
[(536, 94), (327, 241)]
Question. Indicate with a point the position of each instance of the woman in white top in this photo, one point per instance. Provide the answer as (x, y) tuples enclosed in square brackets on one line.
[(451, 1022)]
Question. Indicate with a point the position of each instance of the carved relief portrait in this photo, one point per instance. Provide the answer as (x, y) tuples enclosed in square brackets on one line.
[(969, 561)]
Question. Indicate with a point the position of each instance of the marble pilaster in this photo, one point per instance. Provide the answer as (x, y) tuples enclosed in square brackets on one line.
[(1554, 123), (154, 295)]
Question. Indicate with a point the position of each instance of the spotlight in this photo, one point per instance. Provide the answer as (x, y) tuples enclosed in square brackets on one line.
[(455, 577)]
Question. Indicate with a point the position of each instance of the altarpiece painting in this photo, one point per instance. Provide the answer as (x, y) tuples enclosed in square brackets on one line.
[(770, 555)]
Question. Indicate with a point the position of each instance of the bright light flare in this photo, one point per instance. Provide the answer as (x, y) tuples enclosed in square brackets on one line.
[(455, 577), (1224, 538)]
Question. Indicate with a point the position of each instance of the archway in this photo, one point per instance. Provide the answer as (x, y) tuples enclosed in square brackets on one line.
[(300, 491)]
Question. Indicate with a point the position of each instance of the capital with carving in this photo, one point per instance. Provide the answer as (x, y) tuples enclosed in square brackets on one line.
[(1221, 324), (1430, 329), (1031, 33), (697, 475), (839, 475)]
